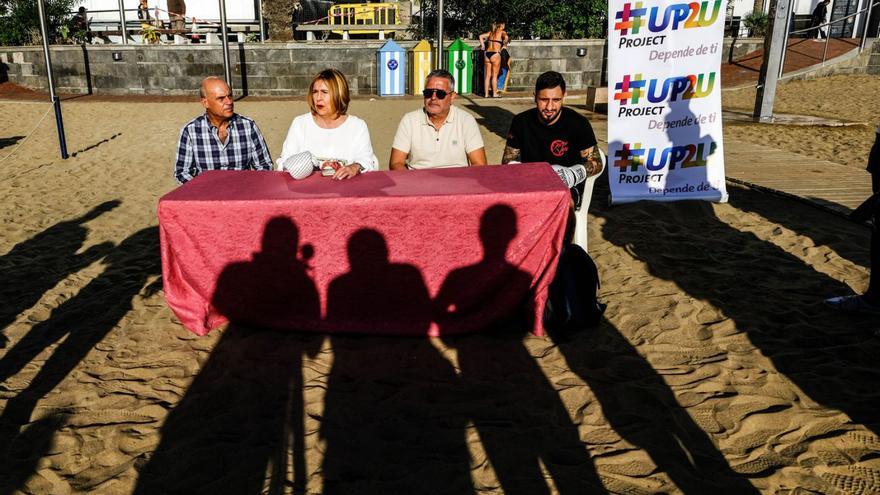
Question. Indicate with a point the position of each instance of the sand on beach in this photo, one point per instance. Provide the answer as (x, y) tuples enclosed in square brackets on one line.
[(715, 370), (852, 100)]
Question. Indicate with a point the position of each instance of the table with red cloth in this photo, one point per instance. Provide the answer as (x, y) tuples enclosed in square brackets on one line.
[(419, 252)]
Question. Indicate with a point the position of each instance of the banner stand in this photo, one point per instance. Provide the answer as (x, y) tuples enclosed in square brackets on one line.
[(664, 108)]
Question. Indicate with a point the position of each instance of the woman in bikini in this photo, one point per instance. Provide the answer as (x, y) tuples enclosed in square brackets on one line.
[(493, 42)]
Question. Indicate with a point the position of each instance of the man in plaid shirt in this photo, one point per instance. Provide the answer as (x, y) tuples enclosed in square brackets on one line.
[(220, 139)]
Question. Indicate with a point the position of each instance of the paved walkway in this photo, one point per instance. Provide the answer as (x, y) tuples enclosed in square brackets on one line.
[(835, 187), (800, 54)]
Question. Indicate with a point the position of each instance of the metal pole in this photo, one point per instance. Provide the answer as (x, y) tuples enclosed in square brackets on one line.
[(867, 22), (122, 22), (439, 59), (787, 28), (223, 38), (56, 102), (262, 26), (774, 44), (827, 39)]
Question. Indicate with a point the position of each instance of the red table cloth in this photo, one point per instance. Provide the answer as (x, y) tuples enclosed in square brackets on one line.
[(420, 252)]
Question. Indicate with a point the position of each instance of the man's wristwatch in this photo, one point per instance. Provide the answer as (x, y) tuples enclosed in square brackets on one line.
[(360, 168)]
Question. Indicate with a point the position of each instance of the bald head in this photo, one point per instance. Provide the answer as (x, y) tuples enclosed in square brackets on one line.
[(216, 98), (210, 81)]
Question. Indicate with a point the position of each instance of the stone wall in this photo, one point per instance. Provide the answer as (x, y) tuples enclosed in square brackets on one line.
[(277, 69), (873, 67)]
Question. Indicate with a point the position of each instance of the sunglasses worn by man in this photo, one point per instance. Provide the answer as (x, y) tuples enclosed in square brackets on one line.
[(441, 94)]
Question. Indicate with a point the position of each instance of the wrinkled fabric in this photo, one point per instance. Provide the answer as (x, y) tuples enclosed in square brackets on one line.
[(264, 249)]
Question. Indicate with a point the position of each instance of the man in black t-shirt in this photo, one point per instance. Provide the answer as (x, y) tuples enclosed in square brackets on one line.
[(553, 133)]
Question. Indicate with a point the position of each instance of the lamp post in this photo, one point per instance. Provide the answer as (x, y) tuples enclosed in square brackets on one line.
[(223, 39), (122, 23), (774, 47), (439, 58), (262, 25)]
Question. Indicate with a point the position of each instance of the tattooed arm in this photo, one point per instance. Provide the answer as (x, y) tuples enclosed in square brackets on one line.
[(592, 160), (511, 155)]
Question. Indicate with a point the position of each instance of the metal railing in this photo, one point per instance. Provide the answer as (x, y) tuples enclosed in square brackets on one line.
[(816, 29), (127, 22), (364, 14)]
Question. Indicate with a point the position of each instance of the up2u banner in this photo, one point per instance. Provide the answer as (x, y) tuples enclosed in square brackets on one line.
[(664, 104)]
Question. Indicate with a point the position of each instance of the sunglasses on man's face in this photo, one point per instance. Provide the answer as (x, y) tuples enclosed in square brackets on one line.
[(441, 93)]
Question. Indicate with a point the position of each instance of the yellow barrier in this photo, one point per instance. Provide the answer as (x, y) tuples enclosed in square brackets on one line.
[(364, 14)]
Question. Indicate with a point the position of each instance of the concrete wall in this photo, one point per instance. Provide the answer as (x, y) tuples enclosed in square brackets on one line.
[(873, 67), (277, 69)]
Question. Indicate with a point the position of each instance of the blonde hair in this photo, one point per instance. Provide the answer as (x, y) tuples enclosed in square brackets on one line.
[(338, 87)]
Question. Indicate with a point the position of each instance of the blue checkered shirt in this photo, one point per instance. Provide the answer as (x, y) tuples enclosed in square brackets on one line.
[(199, 148)]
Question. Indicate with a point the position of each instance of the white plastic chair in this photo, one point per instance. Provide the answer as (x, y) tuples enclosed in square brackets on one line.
[(580, 227)]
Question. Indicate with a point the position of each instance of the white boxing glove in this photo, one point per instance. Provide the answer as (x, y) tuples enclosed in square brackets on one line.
[(300, 165), (571, 176)]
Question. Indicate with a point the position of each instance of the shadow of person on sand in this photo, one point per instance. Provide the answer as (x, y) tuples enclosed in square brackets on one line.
[(641, 408), (243, 414), (635, 398), (520, 418), (36, 265), (82, 322), (390, 420), (847, 238), (763, 290), (377, 292)]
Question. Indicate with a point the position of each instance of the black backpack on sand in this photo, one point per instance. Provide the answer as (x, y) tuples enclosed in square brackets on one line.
[(572, 304)]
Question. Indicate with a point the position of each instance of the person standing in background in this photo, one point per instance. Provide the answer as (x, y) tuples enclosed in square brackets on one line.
[(820, 13), (869, 301), (177, 14), (493, 43)]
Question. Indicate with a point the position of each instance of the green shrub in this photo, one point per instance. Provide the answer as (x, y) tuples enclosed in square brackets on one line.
[(547, 19), (19, 20), (757, 23)]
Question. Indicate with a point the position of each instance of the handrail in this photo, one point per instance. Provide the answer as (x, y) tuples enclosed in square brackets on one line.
[(837, 20), (828, 37)]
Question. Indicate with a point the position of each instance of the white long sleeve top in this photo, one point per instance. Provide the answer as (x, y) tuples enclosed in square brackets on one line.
[(349, 143)]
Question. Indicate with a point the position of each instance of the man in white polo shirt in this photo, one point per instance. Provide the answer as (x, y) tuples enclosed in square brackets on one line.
[(439, 135)]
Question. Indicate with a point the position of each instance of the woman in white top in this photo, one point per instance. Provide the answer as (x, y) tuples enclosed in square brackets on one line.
[(328, 132)]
